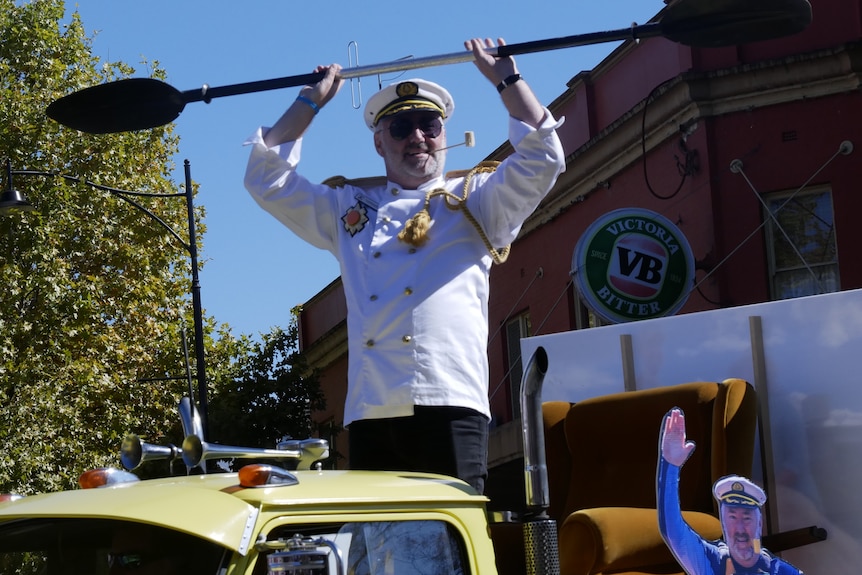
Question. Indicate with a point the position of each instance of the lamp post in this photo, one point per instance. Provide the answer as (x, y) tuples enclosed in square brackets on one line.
[(12, 200)]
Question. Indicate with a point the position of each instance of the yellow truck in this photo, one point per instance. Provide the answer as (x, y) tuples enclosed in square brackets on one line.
[(263, 519), (260, 519)]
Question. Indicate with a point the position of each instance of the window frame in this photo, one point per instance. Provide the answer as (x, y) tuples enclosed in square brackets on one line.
[(773, 233), (514, 359)]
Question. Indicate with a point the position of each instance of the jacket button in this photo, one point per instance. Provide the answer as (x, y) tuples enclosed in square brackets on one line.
[(394, 191), (376, 255), (369, 343), (373, 297), (408, 291), (407, 338)]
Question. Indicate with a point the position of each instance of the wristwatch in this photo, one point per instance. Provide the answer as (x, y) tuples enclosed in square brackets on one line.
[(508, 82)]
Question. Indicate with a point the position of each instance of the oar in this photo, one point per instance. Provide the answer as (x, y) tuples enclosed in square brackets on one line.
[(141, 103)]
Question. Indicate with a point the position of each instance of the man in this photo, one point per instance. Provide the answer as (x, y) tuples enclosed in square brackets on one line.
[(740, 503), (415, 256)]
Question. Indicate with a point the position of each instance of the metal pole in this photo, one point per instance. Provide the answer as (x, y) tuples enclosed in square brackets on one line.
[(634, 32), (196, 303)]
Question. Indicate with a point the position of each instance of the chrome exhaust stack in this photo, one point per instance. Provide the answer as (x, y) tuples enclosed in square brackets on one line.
[(535, 464), (540, 531)]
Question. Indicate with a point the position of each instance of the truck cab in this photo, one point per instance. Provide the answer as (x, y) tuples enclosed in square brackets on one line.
[(261, 519)]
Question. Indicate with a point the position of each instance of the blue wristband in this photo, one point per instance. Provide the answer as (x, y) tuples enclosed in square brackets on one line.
[(310, 102)]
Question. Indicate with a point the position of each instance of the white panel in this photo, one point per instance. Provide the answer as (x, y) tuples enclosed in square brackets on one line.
[(813, 350)]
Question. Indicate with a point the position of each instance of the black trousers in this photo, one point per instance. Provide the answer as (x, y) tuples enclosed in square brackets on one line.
[(448, 440)]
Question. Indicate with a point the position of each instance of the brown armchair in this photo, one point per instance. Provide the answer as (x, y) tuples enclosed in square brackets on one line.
[(601, 459)]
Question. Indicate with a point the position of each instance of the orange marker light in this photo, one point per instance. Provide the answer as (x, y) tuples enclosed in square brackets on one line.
[(258, 475), (104, 476)]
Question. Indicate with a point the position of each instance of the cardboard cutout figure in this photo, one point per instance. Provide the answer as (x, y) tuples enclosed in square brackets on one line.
[(740, 510)]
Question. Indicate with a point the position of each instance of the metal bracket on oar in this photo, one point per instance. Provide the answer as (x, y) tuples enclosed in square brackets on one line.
[(141, 103)]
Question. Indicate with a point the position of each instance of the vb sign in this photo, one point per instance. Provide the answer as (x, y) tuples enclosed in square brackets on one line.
[(633, 264)]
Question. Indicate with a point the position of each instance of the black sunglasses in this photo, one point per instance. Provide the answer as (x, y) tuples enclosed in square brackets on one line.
[(129, 560), (400, 128)]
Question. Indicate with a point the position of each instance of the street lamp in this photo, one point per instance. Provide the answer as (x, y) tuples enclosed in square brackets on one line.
[(12, 200)]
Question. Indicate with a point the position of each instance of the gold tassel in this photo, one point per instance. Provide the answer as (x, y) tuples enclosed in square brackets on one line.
[(415, 231)]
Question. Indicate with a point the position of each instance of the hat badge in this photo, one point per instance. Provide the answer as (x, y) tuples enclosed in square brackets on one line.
[(407, 89), (737, 486)]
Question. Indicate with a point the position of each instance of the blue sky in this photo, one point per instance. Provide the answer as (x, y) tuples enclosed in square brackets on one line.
[(255, 269)]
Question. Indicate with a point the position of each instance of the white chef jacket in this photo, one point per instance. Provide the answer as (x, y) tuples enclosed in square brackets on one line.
[(417, 320)]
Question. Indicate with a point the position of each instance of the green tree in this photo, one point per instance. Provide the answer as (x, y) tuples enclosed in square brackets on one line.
[(271, 398), (95, 294)]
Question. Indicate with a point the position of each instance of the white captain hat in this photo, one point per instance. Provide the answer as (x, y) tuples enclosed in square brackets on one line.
[(407, 96), (737, 490)]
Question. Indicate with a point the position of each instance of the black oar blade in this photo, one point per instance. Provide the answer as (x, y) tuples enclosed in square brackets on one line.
[(730, 22), (121, 106)]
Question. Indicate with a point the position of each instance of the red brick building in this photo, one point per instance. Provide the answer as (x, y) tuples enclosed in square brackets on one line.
[(657, 125)]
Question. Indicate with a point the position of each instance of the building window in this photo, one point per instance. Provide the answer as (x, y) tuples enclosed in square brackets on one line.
[(516, 329), (801, 246), (586, 318)]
